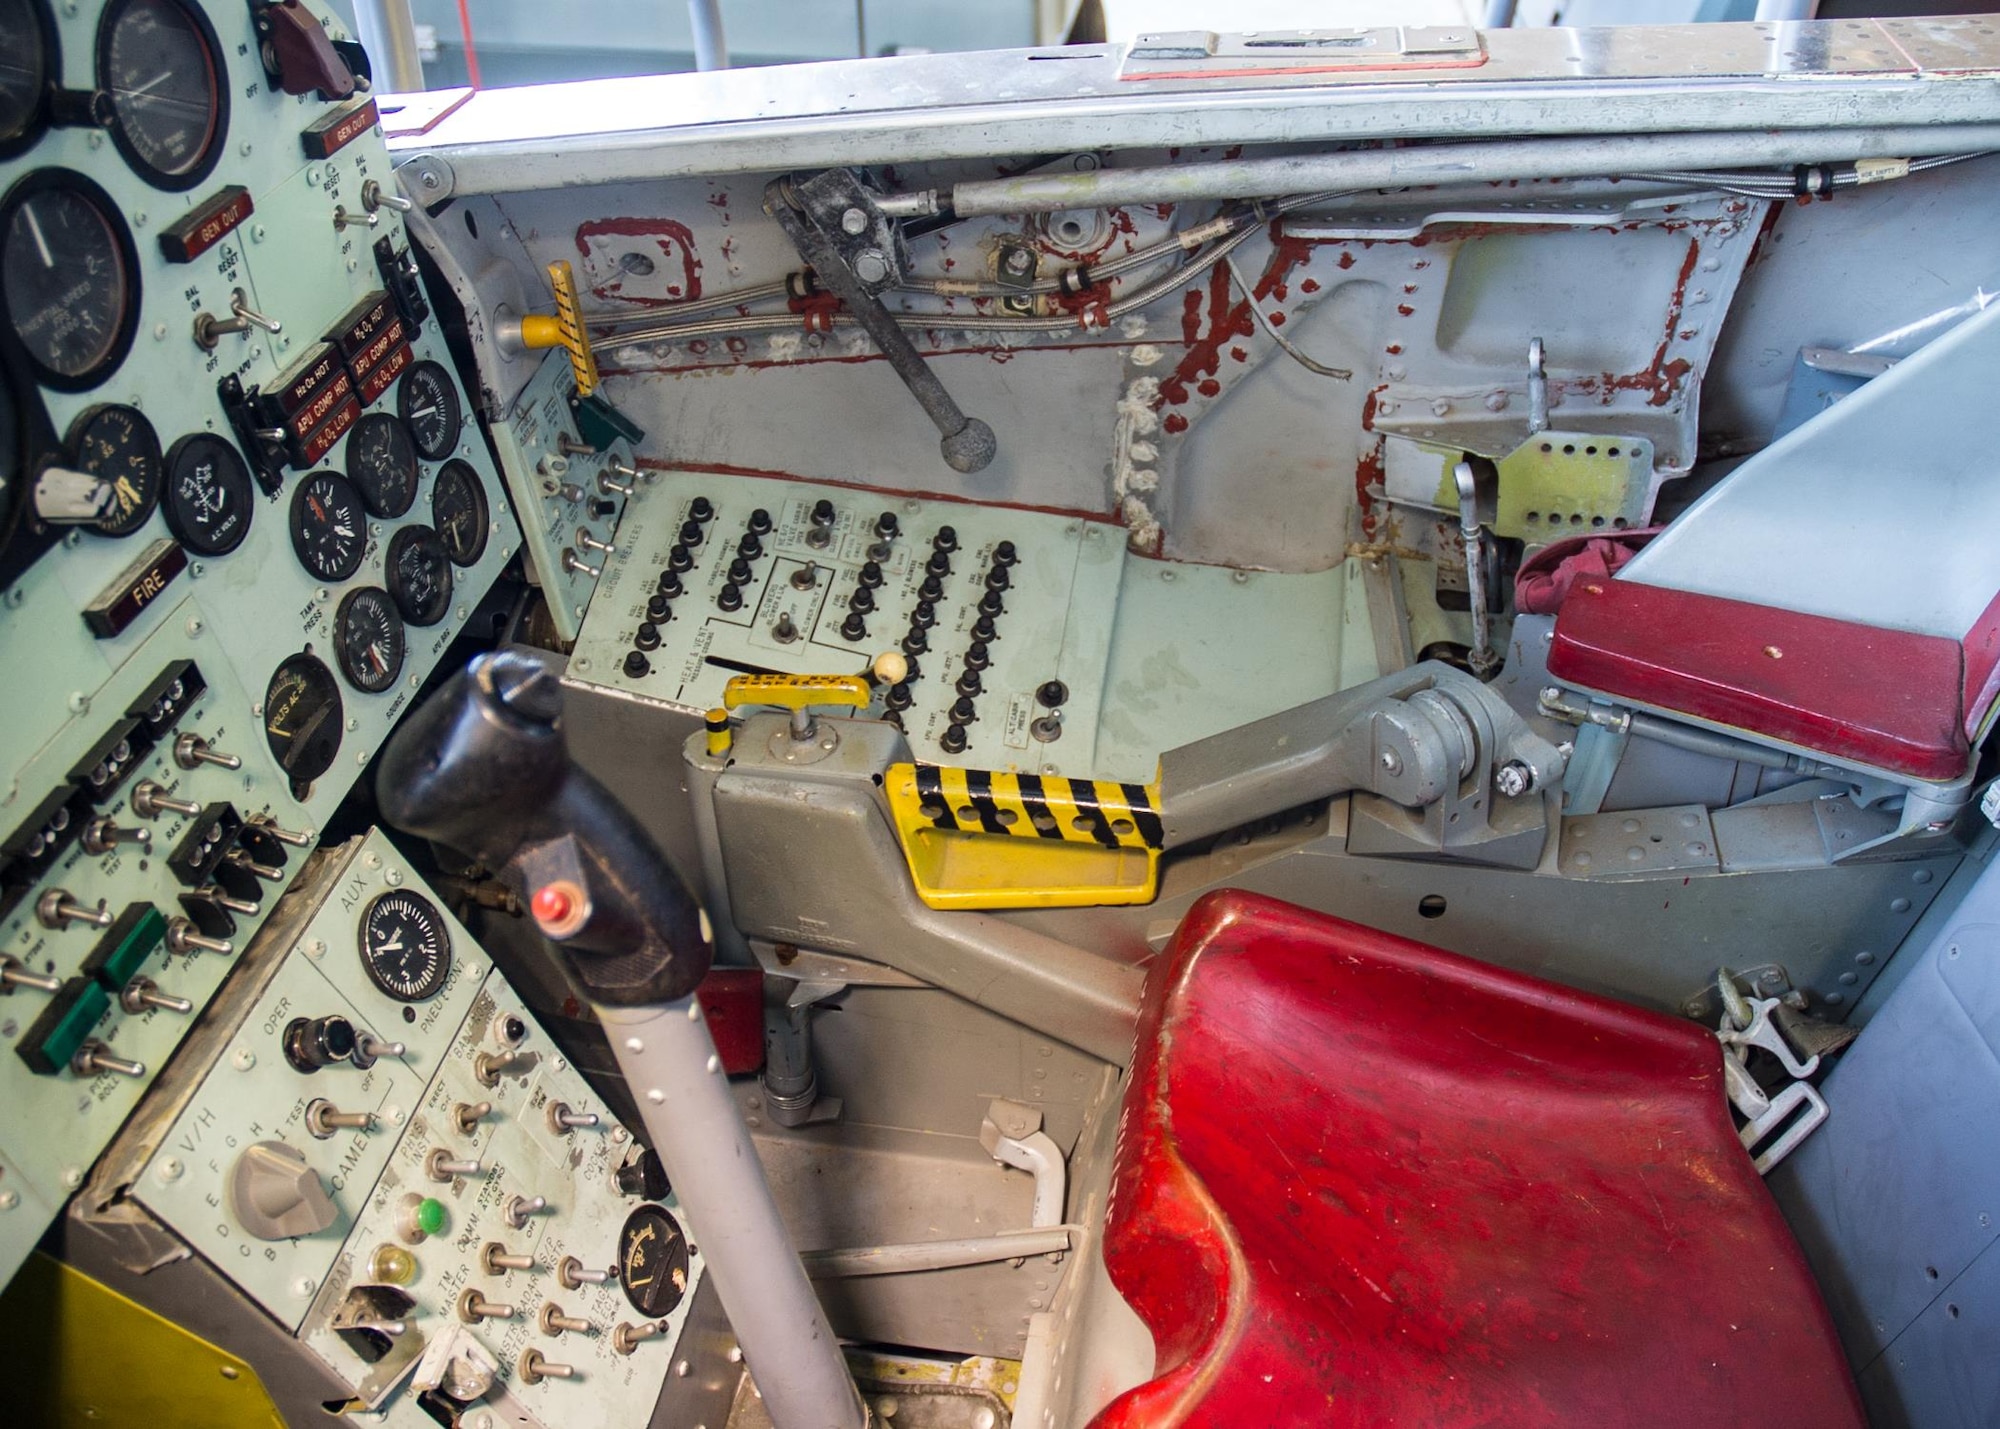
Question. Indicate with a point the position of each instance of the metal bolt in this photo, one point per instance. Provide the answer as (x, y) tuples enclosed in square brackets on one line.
[(1513, 779), (1441, 408), (854, 222), (1392, 762), (870, 266)]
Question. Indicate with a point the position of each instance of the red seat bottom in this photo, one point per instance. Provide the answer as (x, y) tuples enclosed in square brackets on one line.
[(1362, 1181)]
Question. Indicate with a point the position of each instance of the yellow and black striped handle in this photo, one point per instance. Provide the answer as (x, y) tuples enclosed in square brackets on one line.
[(980, 801), (565, 329)]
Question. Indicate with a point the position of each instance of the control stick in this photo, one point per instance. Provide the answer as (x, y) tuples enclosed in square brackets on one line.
[(484, 768)]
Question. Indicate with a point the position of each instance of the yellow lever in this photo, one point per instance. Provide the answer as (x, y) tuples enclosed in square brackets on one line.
[(565, 329), (797, 693)]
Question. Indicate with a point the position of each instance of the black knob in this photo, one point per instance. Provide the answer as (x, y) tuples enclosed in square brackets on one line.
[(822, 512), (314, 1042), (997, 578), (702, 509), (731, 598), (916, 642), (871, 573), (952, 741), (961, 712), (601, 507), (647, 636), (914, 668), (991, 604), (976, 657), (925, 614), (1003, 554), (854, 627), (1052, 693), (643, 1177), (898, 696), (750, 548), (760, 521), (658, 609), (946, 539), (862, 600), (670, 584), (886, 525), (939, 564), (637, 666), (739, 571), (691, 533), (678, 558), (982, 628), (931, 589), (969, 683)]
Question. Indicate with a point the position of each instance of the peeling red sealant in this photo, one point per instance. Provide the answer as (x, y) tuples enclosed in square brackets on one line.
[(675, 242)]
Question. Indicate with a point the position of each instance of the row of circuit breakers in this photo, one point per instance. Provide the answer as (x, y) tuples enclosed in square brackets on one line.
[(245, 512)]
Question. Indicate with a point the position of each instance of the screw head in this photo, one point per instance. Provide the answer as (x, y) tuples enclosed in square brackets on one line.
[(1513, 779), (1392, 762), (854, 221), (871, 266)]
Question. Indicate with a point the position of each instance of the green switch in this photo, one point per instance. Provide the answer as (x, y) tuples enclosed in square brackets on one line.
[(125, 946), (64, 1023), (430, 1215)]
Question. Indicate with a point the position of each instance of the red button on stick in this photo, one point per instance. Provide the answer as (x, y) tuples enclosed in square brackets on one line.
[(558, 908)]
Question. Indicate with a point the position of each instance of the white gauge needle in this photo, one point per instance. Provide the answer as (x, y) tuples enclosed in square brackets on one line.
[(421, 412), (35, 228), (155, 82), (395, 944)]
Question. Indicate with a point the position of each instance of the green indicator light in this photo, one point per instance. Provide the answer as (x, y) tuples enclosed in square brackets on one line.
[(430, 1215)]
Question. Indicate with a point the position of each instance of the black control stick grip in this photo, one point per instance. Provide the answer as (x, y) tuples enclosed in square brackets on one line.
[(483, 768)]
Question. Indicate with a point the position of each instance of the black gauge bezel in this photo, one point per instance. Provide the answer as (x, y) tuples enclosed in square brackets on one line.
[(205, 165), (24, 537), (433, 983), (649, 1213), (131, 524), (421, 616), (406, 495), (451, 394), (296, 517), (37, 123), (314, 670), (186, 531), (43, 181), (361, 682), (458, 469)]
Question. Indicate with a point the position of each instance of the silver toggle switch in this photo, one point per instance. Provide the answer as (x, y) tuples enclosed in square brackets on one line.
[(343, 220), (182, 938), (374, 196), (208, 328), (589, 542), (56, 909), (142, 993), (191, 751), (94, 1057), (104, 835), (474, 1307), (150, 800), (441, 1165), (496, 1259), (15, 973), (519, 1208), (323, 1119)]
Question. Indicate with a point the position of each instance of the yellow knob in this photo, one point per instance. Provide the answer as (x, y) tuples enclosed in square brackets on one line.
[(795, 692)]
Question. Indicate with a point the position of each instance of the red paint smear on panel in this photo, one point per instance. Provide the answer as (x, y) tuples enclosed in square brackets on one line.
[(664, 232)]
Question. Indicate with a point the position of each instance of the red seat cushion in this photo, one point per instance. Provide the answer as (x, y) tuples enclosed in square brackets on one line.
[(1888, 699), (1361, 1181)]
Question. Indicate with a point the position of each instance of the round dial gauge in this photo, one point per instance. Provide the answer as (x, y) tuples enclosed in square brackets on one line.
[(405, 946), (208, 498), (368, 639), (417, 571), (458, 511), (302, 718), (382, 464), (117, 444), (329, 528), (70, 278), (652, 1261), (429, 403), (159, 62), (28, 61)]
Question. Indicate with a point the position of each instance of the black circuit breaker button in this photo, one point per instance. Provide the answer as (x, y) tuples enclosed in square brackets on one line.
[(749, 548), (962, 711), (924, 614), (916, 642), (977, 657), (854, 627), (898, 696), (939, 564), (870, 574), (886, 526), (822, 512), (1004, 555), (670, 584), (659, 609), (953, 740), (647, 636), (637, 666), (862, 601), (969, 683), (932, 589), (739, 572), (701, 509), (731, 598), (984, 630), (1052, 693), (760, 522), (990, 604), (945, 540), (997, 579), (678, 559), (691, 534)]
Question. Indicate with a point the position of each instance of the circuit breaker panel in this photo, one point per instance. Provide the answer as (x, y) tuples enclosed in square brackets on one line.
[(388, 1154)]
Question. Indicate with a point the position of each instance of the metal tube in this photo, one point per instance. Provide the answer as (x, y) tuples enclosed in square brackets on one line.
[(1781, 10), (389, 34), (711, 49), (853, 1262), (1499, 14), (1595, 156), (670, 1062)]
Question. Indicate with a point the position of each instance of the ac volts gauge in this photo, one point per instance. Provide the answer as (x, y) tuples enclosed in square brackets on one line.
[(417, 570), (116, 444), (208, 499), (368, 639), (652, 1261), (329, 526), (428, 403), (382, 464), (405, 946), (302, 718)]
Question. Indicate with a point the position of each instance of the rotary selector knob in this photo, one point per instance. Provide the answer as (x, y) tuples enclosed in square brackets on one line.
[(276, 1195)]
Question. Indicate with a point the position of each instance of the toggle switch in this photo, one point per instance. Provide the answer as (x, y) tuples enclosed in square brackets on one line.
[(519, 1208), (191, 751), (490, 1067), (263, 824), (627, 1337), (466, 1116), (611, 487), (441, 1165), (103, 835), (555, 1322), (805, 577), (474, 1307), (784, 629), (571, 1274), (323, 1119), (143, 993), (589, 542), (496, 1259), (563, 1121), (15, 973), (150, 800), (374, 196), (343, 220), (55, 909), (370, 1049), (94, 1057), (534, 1369), (577, 565), (182, 938), (209, 329), (239, 858)]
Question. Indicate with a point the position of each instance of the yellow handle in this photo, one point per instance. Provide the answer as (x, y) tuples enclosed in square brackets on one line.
[(795, 692), (565, 329)]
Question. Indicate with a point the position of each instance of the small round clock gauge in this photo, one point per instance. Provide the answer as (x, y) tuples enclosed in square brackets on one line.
[(405, 946)]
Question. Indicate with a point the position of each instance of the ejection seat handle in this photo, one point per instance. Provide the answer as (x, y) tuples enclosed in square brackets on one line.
[(484, 768)]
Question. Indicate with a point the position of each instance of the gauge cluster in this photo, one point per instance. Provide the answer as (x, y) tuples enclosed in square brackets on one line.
[(229, 425)]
